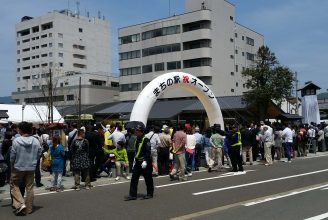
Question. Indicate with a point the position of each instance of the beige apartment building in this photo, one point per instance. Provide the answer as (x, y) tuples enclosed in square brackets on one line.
[(205, 41), (67, 47)]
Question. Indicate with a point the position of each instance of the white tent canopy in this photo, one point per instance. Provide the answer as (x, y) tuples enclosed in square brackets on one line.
[(31, 113)]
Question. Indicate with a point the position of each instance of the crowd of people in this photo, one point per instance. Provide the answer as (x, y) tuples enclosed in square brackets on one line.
[(89, 151)]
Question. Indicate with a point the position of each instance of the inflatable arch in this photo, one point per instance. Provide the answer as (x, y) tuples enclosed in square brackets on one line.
[(188, 82)]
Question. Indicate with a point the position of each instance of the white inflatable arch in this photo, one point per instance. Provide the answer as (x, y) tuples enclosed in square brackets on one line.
[(188, 82)]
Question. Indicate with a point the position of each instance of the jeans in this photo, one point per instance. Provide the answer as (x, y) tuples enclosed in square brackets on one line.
[(57, 179), (288, 147)]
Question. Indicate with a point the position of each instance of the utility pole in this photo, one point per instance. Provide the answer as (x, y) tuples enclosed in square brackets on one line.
[(79, 111), (50, 90), (296, 88)]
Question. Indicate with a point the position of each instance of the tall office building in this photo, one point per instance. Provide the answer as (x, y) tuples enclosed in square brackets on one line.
[(205, 41), (64, 47)]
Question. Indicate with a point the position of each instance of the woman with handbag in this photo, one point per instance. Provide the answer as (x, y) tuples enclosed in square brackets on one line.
[(57, 163)]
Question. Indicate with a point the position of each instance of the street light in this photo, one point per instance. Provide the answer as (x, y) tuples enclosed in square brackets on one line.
[(23, 107)]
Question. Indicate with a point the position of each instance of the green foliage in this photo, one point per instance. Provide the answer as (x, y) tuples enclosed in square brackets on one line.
[(267, 81)]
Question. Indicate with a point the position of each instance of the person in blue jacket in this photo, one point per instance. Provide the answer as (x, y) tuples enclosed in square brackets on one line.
[(57, 163)]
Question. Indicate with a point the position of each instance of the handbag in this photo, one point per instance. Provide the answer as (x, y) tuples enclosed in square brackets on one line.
[(46, 161), (189, 151)]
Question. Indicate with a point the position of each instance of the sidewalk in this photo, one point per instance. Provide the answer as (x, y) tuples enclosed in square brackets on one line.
[(68, 182)]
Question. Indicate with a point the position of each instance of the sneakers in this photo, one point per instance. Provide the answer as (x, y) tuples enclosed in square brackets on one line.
[(39, 185), (117, 178), (88, 187), (127, 177), (189, 174), (147, 197), (209, 169), (20, 210)]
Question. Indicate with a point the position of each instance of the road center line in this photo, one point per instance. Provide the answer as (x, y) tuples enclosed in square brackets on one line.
[(259, 182), (283, 196), (205, 179), (318, 217)]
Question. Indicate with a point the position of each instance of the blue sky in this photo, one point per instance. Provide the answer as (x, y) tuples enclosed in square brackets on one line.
[(296, 31)]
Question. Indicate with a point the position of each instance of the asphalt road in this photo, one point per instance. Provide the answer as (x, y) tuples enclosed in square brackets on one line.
[(282, 191)]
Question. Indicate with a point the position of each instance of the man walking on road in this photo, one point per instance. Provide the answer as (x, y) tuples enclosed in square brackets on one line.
[(142, 165), (25, 153)]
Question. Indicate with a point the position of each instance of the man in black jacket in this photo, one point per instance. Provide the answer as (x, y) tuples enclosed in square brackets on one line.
[(142, 165), (246, 139)]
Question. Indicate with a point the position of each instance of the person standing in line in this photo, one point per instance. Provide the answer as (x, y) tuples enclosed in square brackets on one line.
[(142, 165), (198, 147), (154, 143), (216, 141), (117, 136), (164, 151), (278, 143), (80, 160), (25, 152), (246, 139), (208, 149), (57, 163), (190, 151), (266, 138), (234, 140), (179, 143), (288, 135)]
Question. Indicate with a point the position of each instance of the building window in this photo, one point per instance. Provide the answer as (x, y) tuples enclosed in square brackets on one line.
[(60, 45), (79, 56), (232, 90), (161, 49), (196, 44), (18, 51), (46, 26), (236, 84), (130, 87), (197, 62), (130, 55), (161, 32), (60, 55), (236, 35), (147, 68), (50, 35), (60, 35), (249, 41), (243, 53), (18, 43), (80, 47), (18, 60), (44, 36), (129, 39), (231, 18), (159, 67), (231, 40), (236, 68), (242, 37), (244, 85), (44, 55), (130, 71), (26, 40), (204, 24), (78, 65), (70, 97), (236, 51), (61, 64), (50, 44), (173, 65), (232, 56), (50, 54), (232, 73), (250, 56), (44, 45), (80, 30), (26, 49), (35, 29), (95, 82)]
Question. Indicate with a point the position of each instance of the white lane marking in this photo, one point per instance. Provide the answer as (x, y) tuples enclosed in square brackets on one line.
[(205, 179), (318, 217), (325, 188), (283, 196), (259, 182)]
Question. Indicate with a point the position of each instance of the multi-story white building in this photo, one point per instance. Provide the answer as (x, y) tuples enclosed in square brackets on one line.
[(69, 46), (205, 41)]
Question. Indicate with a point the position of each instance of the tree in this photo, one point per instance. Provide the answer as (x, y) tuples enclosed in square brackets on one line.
[(267, 81)]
